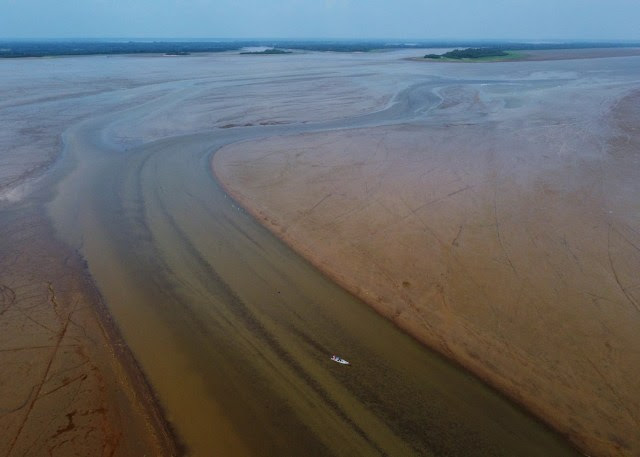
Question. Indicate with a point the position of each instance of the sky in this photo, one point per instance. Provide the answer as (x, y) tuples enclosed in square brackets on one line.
[(351, 19)]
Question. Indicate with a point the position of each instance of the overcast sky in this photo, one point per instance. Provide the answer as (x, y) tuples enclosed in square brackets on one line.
[(402, 19)]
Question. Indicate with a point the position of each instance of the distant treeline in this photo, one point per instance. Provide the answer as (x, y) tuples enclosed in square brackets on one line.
[(88, 47), (268, 51), (469, 53)]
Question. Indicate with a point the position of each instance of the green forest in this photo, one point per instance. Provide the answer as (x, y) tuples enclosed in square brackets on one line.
[(469, 53)]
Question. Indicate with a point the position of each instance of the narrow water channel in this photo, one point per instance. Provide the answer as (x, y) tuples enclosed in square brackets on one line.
[(235, 331)]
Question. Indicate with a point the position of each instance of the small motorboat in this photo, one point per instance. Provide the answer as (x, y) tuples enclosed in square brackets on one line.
[(337, 359)]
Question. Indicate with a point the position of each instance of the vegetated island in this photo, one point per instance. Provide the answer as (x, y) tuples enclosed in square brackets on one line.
[(267, 51), (475, 54)]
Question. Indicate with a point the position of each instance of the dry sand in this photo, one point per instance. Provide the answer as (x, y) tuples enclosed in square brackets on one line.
[(503, 230)]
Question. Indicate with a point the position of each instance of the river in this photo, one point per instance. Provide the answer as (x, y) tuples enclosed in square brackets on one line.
[(234, 330)]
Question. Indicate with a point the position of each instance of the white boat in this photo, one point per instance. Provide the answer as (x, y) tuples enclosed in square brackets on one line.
[(335, 358)]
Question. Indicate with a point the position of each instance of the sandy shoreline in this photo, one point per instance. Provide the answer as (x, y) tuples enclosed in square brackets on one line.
[(479, 230), (344, 280), (161, 430), (81, 390)]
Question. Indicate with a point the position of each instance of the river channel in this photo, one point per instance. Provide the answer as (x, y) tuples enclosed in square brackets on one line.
[(234, 330)]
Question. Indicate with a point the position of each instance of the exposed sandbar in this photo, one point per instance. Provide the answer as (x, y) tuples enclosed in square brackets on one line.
[(508, 242)]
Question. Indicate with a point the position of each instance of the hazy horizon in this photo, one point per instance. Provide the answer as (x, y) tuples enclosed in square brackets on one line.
[(512, 20), (427, 40)]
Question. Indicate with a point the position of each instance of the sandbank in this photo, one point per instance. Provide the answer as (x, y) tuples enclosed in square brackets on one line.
[(507, 242)]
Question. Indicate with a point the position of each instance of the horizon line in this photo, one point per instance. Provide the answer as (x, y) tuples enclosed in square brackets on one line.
[(370, 39)]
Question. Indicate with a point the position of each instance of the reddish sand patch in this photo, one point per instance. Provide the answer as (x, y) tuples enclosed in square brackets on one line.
[(69, 384)]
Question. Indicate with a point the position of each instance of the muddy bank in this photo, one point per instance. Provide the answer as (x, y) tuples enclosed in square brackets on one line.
[(69, 383), (502, 230)]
